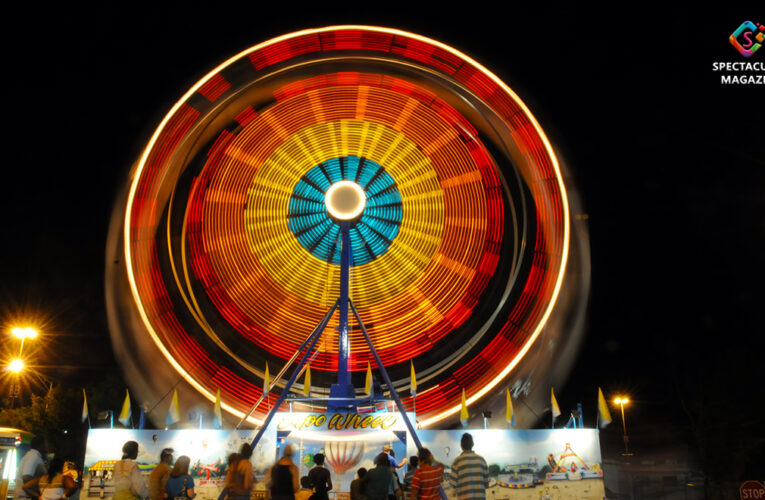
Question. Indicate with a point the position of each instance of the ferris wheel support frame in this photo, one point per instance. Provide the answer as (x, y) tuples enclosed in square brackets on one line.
[(342, 394)]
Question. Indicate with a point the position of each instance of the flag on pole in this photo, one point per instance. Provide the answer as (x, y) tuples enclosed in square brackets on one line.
[(125, 413), (368, 382), (554, 404), (464, 415), (266, 382), (604, 416), (412, 379), (174, 413), (217, 414), (307, 380), (509, 414), (142, 419), (84, 406)]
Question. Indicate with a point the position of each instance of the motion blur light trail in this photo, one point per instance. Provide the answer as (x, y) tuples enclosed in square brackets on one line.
[(231, 257)]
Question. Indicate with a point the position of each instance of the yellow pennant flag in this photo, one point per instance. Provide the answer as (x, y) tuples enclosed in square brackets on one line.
[(266, 382), (554, 404), (174, 413), (125, 413), (307, 380), (217, 414), (509, 415), (368, 381), (604, 415), (412, 379), (464, 415)]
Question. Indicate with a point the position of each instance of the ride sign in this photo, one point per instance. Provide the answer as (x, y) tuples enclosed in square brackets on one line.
[(341, 421), (752, 490)]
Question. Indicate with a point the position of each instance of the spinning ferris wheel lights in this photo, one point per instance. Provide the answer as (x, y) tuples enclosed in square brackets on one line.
[(458, 219)]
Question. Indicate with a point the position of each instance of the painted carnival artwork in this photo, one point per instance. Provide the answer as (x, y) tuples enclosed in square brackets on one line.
[(207, 449), (528, 464), (523, 464)]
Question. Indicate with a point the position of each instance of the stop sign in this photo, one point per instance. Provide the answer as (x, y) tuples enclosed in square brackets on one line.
[(752, 490)]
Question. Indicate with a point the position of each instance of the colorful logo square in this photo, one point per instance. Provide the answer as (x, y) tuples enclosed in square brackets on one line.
[(748, 38)]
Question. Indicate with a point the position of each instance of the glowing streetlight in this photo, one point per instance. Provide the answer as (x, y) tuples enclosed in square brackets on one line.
[(621, 401), (16, 365), (23, 333)]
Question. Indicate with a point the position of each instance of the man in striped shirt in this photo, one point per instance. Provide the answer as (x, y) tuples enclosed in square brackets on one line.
[(426, 484), (469, 474)]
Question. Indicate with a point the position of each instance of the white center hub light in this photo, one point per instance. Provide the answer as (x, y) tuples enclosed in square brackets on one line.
[(345, 200)]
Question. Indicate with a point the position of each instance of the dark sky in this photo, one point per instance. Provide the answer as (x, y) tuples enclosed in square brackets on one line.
[(669, 162)]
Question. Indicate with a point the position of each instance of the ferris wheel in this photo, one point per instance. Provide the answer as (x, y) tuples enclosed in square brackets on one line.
[(228, 246)]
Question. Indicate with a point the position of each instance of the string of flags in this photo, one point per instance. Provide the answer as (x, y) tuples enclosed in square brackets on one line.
[(174, 415)]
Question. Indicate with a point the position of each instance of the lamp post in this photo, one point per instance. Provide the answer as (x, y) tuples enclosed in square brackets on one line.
[(621, 401), (17, 365), (23, 334)]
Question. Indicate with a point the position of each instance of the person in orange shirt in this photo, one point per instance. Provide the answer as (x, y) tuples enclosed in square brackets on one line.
[(305, 491), (426, 484)]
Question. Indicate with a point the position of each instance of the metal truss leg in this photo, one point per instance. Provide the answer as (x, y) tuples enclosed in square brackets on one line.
[(313, 338)]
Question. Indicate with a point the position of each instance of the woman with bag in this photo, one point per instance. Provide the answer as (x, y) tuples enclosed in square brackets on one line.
[(52, 486), (180, 484)]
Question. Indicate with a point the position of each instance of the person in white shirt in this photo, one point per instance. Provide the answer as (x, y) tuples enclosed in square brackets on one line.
[(129, 483), (32, 466)]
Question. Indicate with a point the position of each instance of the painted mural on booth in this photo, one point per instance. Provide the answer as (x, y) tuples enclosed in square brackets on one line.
[(528, 464), (523, 464)]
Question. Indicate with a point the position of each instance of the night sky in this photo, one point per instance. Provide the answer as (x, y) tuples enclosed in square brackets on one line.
[(669, 163)]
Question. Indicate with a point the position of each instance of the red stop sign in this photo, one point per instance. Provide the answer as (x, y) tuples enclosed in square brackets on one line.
[(752, 490)]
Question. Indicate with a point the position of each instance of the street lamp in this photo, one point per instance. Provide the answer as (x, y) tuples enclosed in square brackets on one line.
[(23, 334), (17, 365), (621, 401)]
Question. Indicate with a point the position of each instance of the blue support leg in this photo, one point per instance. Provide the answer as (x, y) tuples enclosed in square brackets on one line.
[(316, 336), (323, 321), (342, 395), (392, 390)]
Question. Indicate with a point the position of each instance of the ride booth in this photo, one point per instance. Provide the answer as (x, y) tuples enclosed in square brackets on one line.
[(523, 464)]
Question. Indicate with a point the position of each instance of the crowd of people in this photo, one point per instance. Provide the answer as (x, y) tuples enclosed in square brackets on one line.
[(168, 480), (424, 477), (171, 479), (469, 475), (36, 481)]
